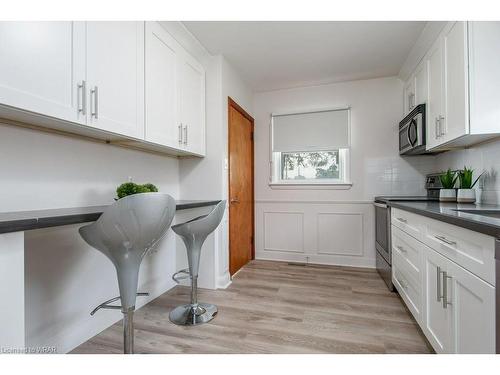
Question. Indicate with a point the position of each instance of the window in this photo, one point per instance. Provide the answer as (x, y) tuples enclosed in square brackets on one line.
[(310, 148)]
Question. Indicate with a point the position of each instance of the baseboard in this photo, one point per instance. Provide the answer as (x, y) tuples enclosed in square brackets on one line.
[(339, 260)]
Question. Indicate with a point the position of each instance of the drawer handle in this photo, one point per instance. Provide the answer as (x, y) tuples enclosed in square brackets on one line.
[(445, 240), (402, 249), (402, 220)]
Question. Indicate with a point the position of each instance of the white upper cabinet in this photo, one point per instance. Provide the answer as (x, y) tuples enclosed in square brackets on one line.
[(161, 87), (41, 67), (115, 77), (421, 83), (484, 75), (455, 121), (192, 104), (463, 81), (435, 107), (410, 99)]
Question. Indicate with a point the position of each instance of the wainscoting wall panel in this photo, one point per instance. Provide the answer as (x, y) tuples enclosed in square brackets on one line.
[(284, 231), (321, 232), (339, 233)]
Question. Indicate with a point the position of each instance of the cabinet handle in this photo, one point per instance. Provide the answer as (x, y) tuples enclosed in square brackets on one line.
[(436, 125), (82, 97), (445, 240), (438, 284), (94, 101), (185, 135), (442, 129), (445, 290), (402, 249), (402, 220), (180, 133)]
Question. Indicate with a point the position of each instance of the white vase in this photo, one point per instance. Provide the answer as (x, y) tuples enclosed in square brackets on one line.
[(448, 195), (466, 196)]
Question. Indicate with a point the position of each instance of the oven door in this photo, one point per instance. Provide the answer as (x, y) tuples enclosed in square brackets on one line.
[(382, 231)]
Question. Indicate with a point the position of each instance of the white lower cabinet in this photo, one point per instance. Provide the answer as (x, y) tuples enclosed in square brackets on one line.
[(456, 307)]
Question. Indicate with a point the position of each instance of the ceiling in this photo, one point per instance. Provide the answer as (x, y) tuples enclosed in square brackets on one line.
[(280, 54)]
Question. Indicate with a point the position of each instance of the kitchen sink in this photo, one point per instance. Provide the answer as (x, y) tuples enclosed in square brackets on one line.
[(490, 213)]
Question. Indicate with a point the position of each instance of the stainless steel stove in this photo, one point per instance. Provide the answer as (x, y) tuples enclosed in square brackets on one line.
[(383, 225)]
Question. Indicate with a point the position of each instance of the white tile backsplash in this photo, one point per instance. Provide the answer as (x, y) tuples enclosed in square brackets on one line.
[(482, 158)]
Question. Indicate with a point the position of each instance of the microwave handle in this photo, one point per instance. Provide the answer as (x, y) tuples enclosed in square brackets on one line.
[(412, 122)]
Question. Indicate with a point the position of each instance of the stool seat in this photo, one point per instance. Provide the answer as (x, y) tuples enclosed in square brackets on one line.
[(194, 233), (124, 233)]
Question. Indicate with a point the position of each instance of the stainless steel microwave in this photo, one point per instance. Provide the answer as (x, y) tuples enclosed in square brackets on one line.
[(412, 132)]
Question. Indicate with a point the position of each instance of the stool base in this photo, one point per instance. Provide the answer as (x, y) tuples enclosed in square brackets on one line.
[(192, 315)]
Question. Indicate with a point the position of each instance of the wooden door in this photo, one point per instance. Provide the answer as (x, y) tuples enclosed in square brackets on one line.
[(42, 68), (115, 73), (241, 187)]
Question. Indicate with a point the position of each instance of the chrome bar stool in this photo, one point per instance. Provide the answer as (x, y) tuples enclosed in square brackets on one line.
[(194, 233), (125, 232)]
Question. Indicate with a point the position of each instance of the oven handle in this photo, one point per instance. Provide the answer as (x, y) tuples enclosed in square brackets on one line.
[(381, 205)]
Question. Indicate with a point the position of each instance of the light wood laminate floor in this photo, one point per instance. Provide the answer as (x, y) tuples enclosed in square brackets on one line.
[(275, 307)]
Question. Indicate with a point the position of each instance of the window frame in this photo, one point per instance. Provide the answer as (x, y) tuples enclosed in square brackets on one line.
[(275, 180)]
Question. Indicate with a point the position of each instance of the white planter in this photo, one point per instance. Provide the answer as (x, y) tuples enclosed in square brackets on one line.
[(448, 195), (466, 196)]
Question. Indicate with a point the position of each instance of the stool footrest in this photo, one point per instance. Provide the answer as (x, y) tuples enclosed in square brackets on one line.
[(181, 275), (106, 304)]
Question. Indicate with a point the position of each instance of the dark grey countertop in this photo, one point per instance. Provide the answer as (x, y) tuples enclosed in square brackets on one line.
[(28, 220), (446, 212)]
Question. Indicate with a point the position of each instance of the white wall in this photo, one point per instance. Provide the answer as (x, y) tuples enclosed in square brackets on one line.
[(484, 157), (65, 278), (323, 225)]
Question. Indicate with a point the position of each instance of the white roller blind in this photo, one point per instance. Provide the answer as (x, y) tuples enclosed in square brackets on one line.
[(312, 131)]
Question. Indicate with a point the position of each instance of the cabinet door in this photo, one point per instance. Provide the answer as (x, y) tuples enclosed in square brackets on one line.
[(435, 104), (409, 92), (192, 104), (437, 320), (161, 87), (472, 305), (421, 83), (41, 66), (115, 72), (455, 123)]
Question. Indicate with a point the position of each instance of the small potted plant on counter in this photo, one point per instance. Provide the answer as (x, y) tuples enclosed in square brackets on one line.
[(130, 188), (466, 193), (448, 192)]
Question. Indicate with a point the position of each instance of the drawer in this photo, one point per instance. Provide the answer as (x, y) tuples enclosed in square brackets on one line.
[(406, 221), (409, 250), (472, 250), (409, 290)]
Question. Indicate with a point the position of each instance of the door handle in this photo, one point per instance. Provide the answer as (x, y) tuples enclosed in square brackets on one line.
[(445, 290), (94, 98), (442, 129), (235, 200), (82, 97), (185, 135), (438, 284)]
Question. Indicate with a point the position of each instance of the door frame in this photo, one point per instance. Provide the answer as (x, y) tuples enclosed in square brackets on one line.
[(232, 104)]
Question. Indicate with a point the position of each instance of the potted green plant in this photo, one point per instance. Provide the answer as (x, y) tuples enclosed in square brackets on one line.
[(466, 193), (130, 188), (448, 192)]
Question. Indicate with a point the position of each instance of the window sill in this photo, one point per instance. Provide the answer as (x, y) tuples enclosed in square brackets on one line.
[(310, 185)]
